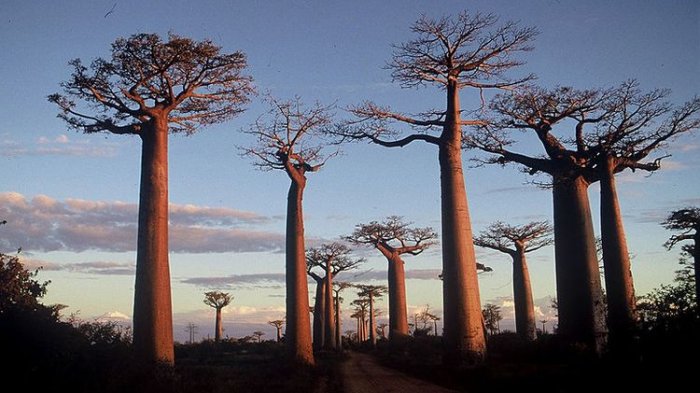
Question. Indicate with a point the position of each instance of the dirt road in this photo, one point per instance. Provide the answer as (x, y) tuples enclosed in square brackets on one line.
[(362, 374)]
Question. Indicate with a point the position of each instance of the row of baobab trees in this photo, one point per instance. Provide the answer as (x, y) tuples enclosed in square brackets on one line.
[(151, 87)]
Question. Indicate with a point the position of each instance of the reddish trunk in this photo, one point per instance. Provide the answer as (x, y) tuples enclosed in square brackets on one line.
[(218, 327), (579, 294), (328, 312), (338, 337), (522, 297), (152, 322), (372, 328), (318, 315), (464, 338), (618, 274), (398, 317), (298, 325)]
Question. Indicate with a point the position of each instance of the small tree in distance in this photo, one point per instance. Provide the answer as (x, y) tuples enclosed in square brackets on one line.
[(148, 88), (371, 293), (492, 318), (278, 327), (217, 300)]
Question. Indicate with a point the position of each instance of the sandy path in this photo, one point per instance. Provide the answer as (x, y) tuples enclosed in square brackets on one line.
[(363, 374)]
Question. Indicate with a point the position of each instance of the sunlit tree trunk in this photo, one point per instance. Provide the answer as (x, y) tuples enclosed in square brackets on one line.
[(579, 293), (152, 322), (298, 332), (522, 297), (319, 307), (619, 285), (328, 312), (219, 329), (338, 337), (464, 337), (398, 317)]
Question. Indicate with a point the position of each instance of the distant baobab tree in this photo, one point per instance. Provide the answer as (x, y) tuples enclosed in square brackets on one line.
[(452, 53), (217, 300), (381, 329), (338, 287), (284, 136), (360, 314), (278, 326), (626, 126), (149, 88), (394, 237), (257, 335), (516, 241), (331, 258), (492, 318), (371, 293), (687, 222)]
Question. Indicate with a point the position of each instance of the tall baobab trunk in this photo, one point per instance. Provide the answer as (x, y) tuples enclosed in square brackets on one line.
[(522, 297), (338, 337), (219, 327), (319, 306), (328, 312), (398, 317), (618, 275), (298, 324), (372, 328), (153, 323), (464, 337), (579, 293)]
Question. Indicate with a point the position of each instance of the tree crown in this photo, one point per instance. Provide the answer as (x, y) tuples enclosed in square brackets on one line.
[(687, 222), (508, 238), (217, 300), (189, 82), (335, 256), (394, 235)]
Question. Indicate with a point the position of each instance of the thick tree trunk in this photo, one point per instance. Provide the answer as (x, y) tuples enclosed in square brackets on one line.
[(328, 312), (319, 307), (218, 327), (464, 338), (618, 274), (522, 297), (152, 322), (279, 334), (398, 317), (579, 294), (372, 322), (298, 325)]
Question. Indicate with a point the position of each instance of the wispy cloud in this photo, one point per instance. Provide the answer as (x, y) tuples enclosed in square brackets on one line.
[(378, 275), (236, 279), (45, 224), (61, 145), (96, 267)]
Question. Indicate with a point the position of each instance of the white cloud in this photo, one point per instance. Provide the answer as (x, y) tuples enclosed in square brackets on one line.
[(45, 224)]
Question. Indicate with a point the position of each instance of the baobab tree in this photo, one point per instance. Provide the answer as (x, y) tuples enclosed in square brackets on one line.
[(579, 292), (283, 144), (191, 330), (257, 335), (516, 241), (687, 222), (148, 88), (277, 323), (338, 287), (393, 238), (217, 300), (360, 314), (626, 126), (492, 318), (466, 51), (381, 329), (371, 293), (633, 124), (331, 258)]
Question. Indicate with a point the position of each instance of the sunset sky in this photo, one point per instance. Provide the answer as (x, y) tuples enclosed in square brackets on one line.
[(70, 199)]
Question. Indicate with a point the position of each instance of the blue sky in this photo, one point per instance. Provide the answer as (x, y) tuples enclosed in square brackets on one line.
[(70, 198)]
